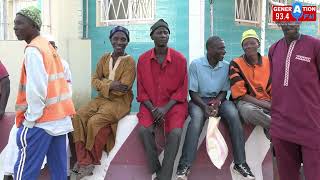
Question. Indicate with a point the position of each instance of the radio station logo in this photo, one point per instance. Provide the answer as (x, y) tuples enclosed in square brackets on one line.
[(296, 12)]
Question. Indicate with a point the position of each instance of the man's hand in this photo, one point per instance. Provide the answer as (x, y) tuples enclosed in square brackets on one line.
[(159, 113), (215, 103), (210, 111), (117, 86), (155, 114), (266, 104), (215, 111)]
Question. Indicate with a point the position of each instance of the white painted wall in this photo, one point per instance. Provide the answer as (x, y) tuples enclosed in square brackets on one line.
[(79, 58), (80, 65), (11, 54), (196, 29), (66, 28), (66, 20)]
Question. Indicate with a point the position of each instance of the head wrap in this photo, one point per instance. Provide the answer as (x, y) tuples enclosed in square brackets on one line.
[(32, 13), (249, 34), (121, 29), (159, 23)]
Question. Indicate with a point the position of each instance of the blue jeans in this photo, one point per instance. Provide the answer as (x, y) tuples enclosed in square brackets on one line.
[(229, 115)]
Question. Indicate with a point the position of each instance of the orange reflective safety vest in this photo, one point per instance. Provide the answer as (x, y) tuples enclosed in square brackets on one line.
[(58, 103)]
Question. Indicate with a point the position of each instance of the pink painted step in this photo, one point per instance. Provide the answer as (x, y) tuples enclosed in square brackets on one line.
[(5, 126), (130, 162), (131, 159)]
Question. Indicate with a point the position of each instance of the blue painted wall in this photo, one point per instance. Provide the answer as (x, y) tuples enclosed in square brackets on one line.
[(231, 32), (176, 13)]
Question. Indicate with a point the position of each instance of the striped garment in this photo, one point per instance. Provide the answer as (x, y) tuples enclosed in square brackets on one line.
[(253, 80)]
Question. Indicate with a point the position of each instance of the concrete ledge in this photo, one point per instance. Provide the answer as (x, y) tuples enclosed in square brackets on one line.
[(128, 161)]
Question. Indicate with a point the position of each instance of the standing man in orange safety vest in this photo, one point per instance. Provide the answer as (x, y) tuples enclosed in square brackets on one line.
[(44, 103)]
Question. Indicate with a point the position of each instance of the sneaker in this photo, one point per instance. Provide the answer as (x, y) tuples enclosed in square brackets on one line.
[(243, 170), (154, 176), (182, 173)]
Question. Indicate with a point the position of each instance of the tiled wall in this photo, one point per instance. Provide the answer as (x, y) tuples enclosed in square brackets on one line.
[(230, 31), (174, 12)]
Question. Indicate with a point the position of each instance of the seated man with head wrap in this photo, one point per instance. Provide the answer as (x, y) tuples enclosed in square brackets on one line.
[(95, 123)]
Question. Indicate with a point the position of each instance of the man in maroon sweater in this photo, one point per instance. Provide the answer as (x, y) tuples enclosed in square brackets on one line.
[(295, 110)]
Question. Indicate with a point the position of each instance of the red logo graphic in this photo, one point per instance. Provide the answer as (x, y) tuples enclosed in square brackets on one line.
[(286, 13)]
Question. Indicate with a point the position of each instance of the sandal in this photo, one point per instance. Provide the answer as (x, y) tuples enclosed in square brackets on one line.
[(85, 171), (75, 168)]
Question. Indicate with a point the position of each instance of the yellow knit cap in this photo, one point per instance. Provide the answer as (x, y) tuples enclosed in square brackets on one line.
[(249, 34)]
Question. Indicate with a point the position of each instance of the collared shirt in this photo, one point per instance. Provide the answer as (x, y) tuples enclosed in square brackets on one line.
[(36, 92), (160, 83), (295, 109), (206, 80)]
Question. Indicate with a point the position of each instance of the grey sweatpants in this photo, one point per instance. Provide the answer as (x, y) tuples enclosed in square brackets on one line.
[(171, 148), (253, 114)]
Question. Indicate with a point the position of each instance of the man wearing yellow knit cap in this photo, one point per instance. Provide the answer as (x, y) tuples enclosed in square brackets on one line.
[(250, 82)]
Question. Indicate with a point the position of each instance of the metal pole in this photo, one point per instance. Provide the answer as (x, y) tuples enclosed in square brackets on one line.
[(263, 26), (211, 17), (87, 18), (50, 16), (5, 22)]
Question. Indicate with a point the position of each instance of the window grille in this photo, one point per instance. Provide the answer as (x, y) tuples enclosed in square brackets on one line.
[(248, 11), (277, 2), (8, 10), (125, 11)]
